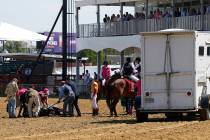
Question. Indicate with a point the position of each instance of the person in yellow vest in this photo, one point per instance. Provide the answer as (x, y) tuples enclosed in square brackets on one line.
[(94, 92), (10, 91), (33, 102)]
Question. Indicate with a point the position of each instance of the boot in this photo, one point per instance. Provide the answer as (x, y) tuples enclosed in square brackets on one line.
[(94, 112)]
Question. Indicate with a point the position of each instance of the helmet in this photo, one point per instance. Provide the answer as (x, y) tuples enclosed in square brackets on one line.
[(46, 90)]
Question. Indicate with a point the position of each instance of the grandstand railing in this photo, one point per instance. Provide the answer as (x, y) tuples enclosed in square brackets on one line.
[(136, 26)]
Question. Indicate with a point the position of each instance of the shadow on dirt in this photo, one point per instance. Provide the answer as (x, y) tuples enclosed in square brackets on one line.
[(133, 120)]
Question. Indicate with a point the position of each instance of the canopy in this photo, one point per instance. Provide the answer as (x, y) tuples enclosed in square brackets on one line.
[(14, 33)]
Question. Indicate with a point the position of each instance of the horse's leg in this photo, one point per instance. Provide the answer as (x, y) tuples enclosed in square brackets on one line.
[(115, 101), (108, 102)]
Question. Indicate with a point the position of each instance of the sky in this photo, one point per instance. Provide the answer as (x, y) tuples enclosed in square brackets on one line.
[(39, 15)]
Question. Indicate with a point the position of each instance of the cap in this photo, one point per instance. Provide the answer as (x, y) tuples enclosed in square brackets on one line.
[(15, 79), (46, 90)]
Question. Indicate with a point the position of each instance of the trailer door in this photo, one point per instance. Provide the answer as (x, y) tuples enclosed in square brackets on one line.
[(168, 67)]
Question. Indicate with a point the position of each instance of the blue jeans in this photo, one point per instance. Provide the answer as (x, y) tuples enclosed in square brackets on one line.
[(11, 108)]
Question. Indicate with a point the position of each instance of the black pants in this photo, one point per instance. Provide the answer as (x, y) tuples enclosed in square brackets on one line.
[(23, 107), (75, 103)]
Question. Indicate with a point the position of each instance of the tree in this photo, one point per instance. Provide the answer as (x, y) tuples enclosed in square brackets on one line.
[(15, 46)]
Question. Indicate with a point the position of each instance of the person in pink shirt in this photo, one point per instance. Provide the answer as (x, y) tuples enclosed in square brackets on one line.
[(44, 96), (106, 72), (22, 95)]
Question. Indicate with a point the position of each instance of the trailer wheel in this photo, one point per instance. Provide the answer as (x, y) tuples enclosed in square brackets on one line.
[(204, 114), (141, 117)]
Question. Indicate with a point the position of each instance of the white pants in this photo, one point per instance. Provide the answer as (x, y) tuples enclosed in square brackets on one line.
[(134, 78), (94, 101)]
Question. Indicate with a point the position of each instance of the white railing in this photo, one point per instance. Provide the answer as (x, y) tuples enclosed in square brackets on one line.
[(135, 26)]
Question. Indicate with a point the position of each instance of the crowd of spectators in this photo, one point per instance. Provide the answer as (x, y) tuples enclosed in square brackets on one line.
[(157, 14)]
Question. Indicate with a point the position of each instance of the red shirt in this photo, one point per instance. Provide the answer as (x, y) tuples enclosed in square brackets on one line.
[(106, 72)]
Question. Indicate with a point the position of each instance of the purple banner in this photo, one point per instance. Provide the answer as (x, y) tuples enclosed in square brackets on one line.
[(55, 42)]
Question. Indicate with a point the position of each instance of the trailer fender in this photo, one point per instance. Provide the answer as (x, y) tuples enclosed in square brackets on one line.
[(204, 101)]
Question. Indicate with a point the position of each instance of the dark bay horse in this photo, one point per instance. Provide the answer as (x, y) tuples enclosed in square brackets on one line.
[(114, 90)]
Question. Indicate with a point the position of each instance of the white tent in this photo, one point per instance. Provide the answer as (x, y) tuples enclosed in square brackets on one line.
[(14, 33)]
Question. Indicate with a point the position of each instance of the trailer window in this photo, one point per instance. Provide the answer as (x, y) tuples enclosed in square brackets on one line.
[(208, 51), (201, 51)]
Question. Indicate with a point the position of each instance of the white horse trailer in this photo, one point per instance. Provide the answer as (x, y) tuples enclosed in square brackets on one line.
[(175, 73)]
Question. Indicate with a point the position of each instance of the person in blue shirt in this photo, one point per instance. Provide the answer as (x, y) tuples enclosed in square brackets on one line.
[(75, 103), (67, 95)]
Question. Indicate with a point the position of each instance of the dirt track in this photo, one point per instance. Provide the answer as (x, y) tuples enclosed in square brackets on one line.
[(101, 127)]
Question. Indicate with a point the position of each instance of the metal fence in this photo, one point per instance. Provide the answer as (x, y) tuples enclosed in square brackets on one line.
[(132, 27)]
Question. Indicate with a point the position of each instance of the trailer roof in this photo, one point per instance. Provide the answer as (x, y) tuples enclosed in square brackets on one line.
[(169, 31)]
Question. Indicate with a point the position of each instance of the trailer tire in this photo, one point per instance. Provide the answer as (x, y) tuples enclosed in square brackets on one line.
[(204, 114), (141, 117)]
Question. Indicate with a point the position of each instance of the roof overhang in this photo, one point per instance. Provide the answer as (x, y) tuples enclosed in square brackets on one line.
[(33, 57)]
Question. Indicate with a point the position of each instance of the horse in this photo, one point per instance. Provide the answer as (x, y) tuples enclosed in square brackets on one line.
[(117, 88)]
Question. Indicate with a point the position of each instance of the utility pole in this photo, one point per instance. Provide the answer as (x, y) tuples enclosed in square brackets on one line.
[(64, 36)]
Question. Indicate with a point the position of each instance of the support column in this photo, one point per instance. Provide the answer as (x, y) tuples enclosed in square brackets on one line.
[(121, 9), (146, 14), (98, 19), (173, 10), (99, 63), (105, 54), (77, 68), (121, 59), (64, 36), (202, 15), (121, 15), (77, 21)]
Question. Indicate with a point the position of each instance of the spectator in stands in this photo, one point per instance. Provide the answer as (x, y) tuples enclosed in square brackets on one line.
[(177, 13), (157, 14), (118, 17), (10, 91), (113, 18), (105, 18), (208, 9), (151, 15)]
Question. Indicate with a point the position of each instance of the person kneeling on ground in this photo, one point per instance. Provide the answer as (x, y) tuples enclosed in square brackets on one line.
[(33, 102), (22, 94), (44, 97), (66, 95)]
